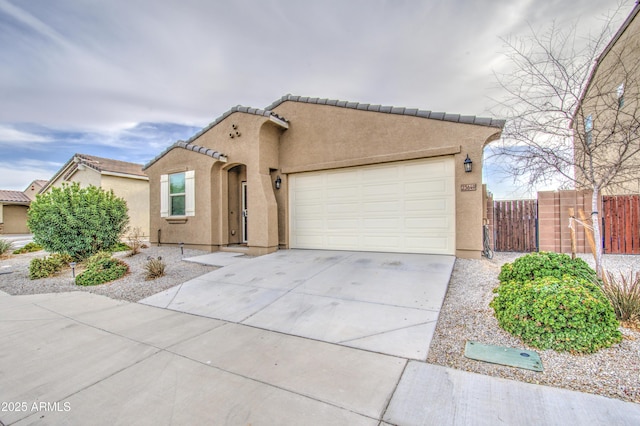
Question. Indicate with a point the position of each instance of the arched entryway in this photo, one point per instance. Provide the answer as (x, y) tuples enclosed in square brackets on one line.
[(237, 204)]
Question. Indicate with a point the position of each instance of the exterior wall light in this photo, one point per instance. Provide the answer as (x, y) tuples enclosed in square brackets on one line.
[(467, 164), (278, 182)]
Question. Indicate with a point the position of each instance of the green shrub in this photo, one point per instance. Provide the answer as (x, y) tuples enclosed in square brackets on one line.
[(154, 267), (568, 314), (5, 246), (120, 246), (77, 221), (545, 264), (624, 295), (46, 266), (102, 268), (28, 248)]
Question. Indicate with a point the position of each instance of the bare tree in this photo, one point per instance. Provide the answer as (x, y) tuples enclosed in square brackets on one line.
[(565, 116)]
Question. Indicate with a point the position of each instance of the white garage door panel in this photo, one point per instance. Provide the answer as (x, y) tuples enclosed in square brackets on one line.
[(406, 206)]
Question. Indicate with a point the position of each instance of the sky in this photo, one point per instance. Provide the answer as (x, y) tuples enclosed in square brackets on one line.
[(124, 79)]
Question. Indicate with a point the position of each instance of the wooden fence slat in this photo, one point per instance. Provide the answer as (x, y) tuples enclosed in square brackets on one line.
[(514, 225), (621, 224)]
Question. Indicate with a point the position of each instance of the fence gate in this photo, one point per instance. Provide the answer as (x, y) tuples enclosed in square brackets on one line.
[(515, 225), (620, 218)]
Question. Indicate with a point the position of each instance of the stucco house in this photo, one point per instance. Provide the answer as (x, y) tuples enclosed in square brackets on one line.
[(14, 206), (325, 174), (127, 180), (607, 120)]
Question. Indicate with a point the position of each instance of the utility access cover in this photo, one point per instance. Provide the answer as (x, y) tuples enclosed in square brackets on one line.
[(505, 356)]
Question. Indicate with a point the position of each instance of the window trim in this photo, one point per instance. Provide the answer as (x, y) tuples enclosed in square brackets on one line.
[(165, 196)]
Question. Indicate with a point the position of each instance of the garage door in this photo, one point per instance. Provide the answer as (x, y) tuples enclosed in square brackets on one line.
[(406, 207)]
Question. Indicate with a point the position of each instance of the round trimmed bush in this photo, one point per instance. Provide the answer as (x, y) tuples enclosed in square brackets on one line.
[(77, 221), (545, 264), (102, 268), (567, 314)]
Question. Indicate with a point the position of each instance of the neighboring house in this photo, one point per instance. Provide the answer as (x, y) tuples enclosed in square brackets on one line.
[(325, 174), (607, 120), (14, 206), (127, 180)]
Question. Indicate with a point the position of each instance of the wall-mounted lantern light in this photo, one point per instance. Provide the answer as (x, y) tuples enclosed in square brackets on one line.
[(278, 182), (467, 164)]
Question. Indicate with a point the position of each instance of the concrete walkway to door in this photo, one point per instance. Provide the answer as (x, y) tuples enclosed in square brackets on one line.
[(381, 302)]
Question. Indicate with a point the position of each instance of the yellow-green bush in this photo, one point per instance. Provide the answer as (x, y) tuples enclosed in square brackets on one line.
[(102, 268), (568, 314)]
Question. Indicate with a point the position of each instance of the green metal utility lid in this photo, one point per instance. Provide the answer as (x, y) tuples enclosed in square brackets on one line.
[(512, 357)]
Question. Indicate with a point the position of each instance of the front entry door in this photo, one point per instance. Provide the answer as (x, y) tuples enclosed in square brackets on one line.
[(243, 197)]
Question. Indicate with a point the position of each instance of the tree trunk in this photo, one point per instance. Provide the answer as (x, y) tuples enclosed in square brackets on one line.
[(595, 221)]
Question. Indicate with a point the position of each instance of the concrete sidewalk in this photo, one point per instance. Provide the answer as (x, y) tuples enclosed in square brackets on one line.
[(79, 358)]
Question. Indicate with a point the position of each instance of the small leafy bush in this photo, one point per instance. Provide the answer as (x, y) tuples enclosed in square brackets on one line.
[(545, 264), (154, 267), (5, 246), (47, 266), (28, 248), (102, 268), (624, 295), (567, 314), (120, 246)]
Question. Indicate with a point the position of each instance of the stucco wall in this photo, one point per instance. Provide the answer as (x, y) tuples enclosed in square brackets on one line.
[(611, 123), (210, 227), (319, 137), (83, 175), (136, 193), (324, 137), (14, 219)]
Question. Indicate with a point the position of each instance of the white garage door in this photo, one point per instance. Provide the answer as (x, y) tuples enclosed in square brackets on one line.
[(406, 206)]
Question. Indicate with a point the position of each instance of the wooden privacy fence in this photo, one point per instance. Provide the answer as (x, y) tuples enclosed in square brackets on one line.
[(515, 225), (621, 224)]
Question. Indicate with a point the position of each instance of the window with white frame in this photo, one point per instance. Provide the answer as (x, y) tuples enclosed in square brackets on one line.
[(620, 94), (177, 194), (588, 129)]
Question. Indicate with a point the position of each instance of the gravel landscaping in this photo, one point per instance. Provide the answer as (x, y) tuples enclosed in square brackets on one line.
[(132, 287), (466, 315)]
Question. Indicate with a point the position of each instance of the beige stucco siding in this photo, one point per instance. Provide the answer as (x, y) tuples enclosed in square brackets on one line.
[(83, 175), (620, 65), (319, 137), (136, 194), (324, 137), (14, 219)]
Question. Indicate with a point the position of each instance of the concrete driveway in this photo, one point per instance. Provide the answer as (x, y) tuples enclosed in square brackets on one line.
[(381, 302)]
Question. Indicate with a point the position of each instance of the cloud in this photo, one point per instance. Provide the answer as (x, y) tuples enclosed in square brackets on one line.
[(86, 73), (18, 175), (9, 135)]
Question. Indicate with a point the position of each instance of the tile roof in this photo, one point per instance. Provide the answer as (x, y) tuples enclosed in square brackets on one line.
[(237, 108), (191, 147), (99, 164), (108, 165), (267, 112), (14, 197), (414, 112)]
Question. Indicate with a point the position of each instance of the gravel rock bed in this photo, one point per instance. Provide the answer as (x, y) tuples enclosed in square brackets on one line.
[(466, 315), (132, 287)]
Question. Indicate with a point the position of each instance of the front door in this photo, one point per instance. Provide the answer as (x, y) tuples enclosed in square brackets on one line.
[(243, 197)]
